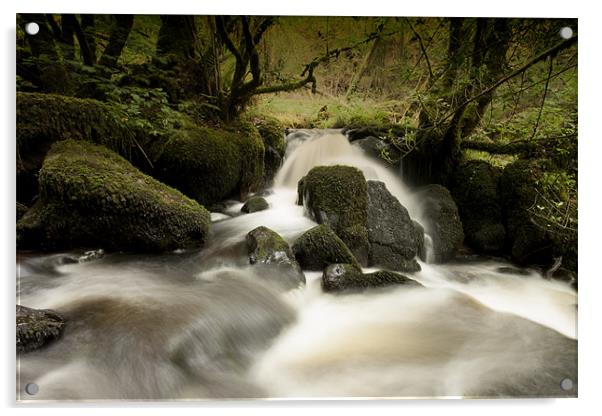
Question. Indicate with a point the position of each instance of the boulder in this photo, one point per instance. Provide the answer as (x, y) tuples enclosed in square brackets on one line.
[(92, 197), (36, 328), (209, 164), (394, 239), (319, 247), (527, 242), (347, 277), (271, 131), (441, 221), (21, 210), (356, 239), (475, 189), (266, 248), (254, 204), (335, 195), (379, 149)]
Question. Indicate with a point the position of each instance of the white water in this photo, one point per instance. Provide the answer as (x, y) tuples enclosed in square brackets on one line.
[(208, 325)]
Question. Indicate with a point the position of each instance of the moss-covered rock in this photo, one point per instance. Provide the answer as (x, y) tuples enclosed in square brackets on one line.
[(475, 189), (347, 277), (43, 119), (210, 164), (21, 210), (267, 248), (319, 247), (335, 195), (271, 131), (254, 204), (356, 239), (527, 242), (36, 328), (394, 240), (90, 196), (441, 221)]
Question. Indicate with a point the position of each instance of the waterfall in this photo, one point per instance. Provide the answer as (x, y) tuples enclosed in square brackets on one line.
[(207, 324)]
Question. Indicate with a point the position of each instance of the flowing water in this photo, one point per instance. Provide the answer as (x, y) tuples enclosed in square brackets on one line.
[(206, 324)]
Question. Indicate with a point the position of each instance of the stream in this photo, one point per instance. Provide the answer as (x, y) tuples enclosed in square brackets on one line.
[(206, 324)]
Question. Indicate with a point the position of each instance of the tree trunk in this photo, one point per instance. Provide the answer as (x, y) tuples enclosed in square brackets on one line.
[(177, 38), (119, 35), (52, 73), (89, 30)]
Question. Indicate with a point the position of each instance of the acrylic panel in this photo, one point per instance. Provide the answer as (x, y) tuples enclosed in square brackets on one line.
[(227, 207)]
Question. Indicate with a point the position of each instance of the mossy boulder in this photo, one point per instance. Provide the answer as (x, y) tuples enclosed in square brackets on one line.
[(319, 247), (43, 119), (441, 221), (266, 248), (528, 243), (254, 204), (92, 197), (271, 131), (210, 164), (394, 240), (21, 210), (335, 195), (356, 239), (475, 189), (348, 278), (36, 328)]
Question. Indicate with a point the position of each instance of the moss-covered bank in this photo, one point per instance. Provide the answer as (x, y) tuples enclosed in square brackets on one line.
[(90, 196)]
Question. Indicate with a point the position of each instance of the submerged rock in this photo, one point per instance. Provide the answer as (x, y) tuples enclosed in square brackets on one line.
[(35, 328), (335, 195), (441, 221), (347, 277), (319, 247), (475, 189), (268, 248), (394, 239), (254, 204), (90, 196)]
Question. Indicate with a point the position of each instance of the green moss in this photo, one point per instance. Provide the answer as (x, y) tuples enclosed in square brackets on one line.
[(21, 210), (51, 117), (349, 278), (90, 196), (319, 247), (264, 244), (336, 195), (356, 238), (254, 204), (209, 164), (271, 131)]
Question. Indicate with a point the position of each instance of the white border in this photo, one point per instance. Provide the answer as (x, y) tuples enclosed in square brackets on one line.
[(590, 154)]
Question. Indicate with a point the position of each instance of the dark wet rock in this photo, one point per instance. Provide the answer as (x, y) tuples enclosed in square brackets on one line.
[(528, 243), (394, 239), (441, 221), (335, 195), (36, 328), (420, 237), (255, 204), (347, 277), (475, 189), (91, 255), (268, 248), (90, 196), (378, 148), (21, 210), (319, 247)]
